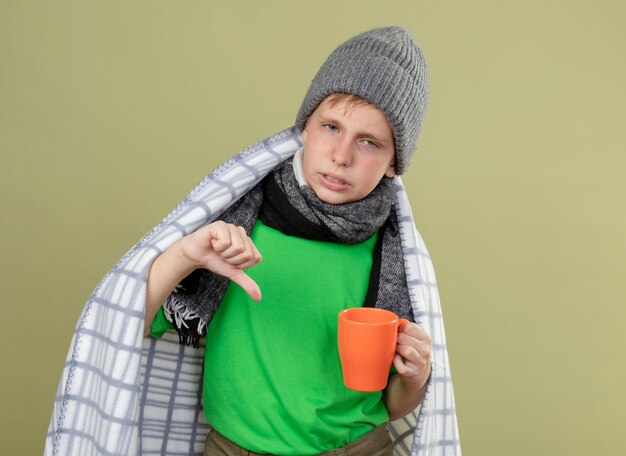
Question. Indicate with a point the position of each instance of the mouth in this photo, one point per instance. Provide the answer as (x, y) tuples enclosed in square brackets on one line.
[(334, 182)]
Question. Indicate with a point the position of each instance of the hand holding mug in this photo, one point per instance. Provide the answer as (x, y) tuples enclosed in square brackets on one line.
[(412, 357)]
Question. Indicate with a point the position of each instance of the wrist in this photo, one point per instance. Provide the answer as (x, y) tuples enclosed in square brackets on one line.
[(185, 261)]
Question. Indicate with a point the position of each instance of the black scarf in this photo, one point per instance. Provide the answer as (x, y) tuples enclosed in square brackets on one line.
[(280, 202)]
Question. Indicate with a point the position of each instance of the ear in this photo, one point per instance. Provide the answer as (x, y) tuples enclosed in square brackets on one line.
[(305, 134), (391, 171)]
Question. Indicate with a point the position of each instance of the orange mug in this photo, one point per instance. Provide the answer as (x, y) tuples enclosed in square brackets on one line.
[(367, 339)]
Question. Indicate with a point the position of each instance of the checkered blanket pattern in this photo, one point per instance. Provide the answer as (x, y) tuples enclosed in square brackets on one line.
[(123, 394)]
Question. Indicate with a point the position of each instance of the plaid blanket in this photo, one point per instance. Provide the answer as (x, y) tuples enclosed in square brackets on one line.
[(123, 394)]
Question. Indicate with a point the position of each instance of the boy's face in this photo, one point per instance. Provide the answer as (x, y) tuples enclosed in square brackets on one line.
[(346, 152)]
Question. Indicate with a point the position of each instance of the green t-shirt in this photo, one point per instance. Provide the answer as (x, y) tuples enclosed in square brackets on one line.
[(273, 380)]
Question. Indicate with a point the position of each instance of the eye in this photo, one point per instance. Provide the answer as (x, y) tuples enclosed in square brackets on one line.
[(330, 127), (370, 143)]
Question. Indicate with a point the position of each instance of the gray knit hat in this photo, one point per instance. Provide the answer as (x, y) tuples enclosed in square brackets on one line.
[(385, 67)]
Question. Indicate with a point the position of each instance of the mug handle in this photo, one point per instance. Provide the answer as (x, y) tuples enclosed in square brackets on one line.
[(402, 321)]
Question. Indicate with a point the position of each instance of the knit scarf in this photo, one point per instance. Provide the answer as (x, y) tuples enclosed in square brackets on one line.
[(284, 201)]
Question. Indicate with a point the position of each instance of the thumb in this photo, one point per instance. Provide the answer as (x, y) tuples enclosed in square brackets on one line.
[(249, 286)]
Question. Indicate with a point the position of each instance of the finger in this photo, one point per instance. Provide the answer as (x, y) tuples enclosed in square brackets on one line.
[(237, 242), (414, 330), (406, 339), (248, 257), (421, 348), (232, 244), (251, 255), (245, 281), (220, 236), (414, 365), (398, 363), (408, 353), (239, 245), (408, 366), (408, 350), (418, 377), (405, 366), (257, 255)]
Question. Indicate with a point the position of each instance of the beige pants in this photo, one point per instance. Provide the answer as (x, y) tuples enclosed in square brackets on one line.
[(375, 443)]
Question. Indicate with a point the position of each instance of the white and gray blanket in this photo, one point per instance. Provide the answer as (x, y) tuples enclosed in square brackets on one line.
[(123, 394)]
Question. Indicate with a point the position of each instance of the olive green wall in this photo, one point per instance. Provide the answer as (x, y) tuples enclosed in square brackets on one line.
[(111, 111)]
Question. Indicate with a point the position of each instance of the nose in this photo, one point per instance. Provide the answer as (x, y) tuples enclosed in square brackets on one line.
[(342, 153)]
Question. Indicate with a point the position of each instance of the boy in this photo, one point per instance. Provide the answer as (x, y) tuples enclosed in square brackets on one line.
[(324, 229), (335, 230)]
